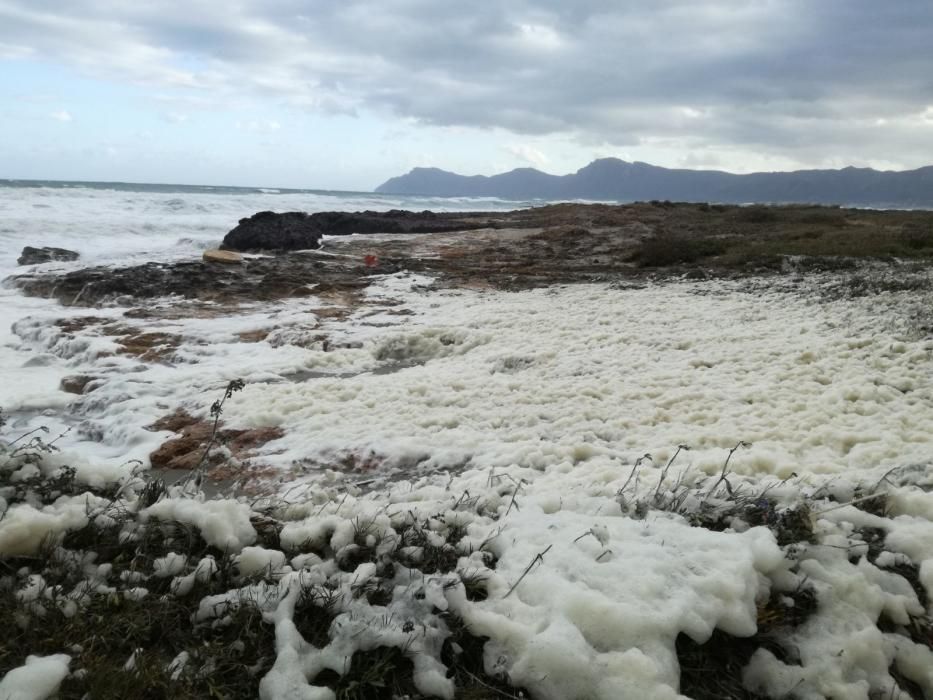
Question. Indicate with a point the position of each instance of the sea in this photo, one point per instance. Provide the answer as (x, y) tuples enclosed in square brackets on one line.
[(119, 224)]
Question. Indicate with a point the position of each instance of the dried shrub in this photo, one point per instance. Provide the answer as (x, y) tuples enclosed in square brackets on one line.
[(672, 249)]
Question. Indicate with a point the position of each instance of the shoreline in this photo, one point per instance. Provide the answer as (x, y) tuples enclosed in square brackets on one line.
[(524, 249), (153, 319)]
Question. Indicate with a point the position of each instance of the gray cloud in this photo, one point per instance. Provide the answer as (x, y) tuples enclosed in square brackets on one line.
[(809, 81)]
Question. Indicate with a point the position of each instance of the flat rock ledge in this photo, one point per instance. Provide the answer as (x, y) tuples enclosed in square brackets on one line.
[(36, 256), (298, 230)]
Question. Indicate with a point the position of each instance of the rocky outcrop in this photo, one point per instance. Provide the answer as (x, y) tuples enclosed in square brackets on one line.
[(267, 230), (263, 279), (297, 230), (540, 246), (35, 256)]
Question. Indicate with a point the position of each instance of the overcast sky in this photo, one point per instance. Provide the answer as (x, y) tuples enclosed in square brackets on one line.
[(343, 94)]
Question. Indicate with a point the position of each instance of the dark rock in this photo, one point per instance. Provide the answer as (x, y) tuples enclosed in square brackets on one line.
[(34, 256), (262, 280), (297, 230), (339, 223), (267, 230), (77, 384)]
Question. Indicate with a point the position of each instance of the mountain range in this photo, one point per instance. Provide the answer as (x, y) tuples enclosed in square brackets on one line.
[(611, 179)]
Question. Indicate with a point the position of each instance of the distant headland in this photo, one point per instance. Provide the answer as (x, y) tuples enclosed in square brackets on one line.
[(611, 179)]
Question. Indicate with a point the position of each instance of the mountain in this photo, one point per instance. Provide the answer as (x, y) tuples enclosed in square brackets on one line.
[(612, 179)]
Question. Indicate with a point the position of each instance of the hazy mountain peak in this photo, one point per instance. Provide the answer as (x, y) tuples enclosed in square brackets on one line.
[(613, 179)]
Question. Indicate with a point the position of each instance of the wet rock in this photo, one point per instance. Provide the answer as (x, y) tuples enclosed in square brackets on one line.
[(261, 280), (254, 437), (256, 336), (34, 256), (297, 230), (148, 347), (189, 449), (77, 384), (196, 282), (174, 422), (339, 223), (178, 453), (270, 231)]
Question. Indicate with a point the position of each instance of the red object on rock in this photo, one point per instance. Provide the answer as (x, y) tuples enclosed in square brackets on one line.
[(371, 261)]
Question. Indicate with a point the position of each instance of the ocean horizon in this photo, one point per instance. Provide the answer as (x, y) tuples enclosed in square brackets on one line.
[(168, 187)]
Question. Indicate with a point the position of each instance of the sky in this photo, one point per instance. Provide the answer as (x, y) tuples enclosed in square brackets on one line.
[(345, 94)]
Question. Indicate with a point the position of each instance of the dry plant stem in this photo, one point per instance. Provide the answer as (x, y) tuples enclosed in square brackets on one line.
[(63, 434), (342, 501), (25, 435), (884, 477), (725, 468), (539, 557), (513, 502), (630, 476), (216, 411), (657, 491), (849, 503)]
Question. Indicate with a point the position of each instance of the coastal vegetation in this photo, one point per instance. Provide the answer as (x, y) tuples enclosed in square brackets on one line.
[(133, 599)]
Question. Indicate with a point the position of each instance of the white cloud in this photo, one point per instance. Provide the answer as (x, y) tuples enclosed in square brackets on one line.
[(528, 154), (62, 115), (14, 51), (702, 160), (175, 117), (788, 78), (539, 37)]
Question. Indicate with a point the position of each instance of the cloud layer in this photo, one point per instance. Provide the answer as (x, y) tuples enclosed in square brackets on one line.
[(820, 83)]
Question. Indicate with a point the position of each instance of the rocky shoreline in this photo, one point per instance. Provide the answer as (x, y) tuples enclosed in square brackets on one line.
[(555, 244)]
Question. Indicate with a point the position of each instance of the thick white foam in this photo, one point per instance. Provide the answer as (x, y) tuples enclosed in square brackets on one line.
[(569, 374), (120, 227)]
